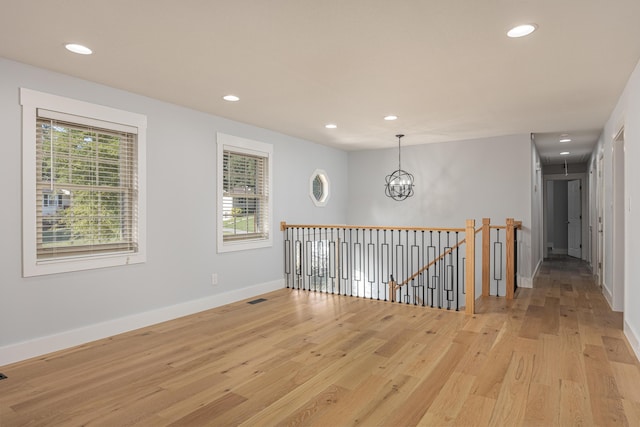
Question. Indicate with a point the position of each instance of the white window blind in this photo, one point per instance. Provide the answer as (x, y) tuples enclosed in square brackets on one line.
[(245, 201), (86, 187), (244, 194)]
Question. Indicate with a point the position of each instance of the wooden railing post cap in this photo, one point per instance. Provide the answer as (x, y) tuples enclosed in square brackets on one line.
[(283, 225), (471, 223), (486, 221)]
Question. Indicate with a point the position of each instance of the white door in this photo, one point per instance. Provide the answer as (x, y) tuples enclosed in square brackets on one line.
[(574, 218)]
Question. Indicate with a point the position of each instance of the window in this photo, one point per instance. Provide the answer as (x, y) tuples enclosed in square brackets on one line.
[(319, 188), (244, 193), (83, 185)]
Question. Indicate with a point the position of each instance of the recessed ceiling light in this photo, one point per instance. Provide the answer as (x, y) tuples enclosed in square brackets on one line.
[(231, 98), (391, 117), (565, 153), (331, 126), (522, 30), (78, 48), (565, 140)]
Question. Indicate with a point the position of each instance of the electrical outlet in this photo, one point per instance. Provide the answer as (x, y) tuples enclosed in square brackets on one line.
[(214, 279)]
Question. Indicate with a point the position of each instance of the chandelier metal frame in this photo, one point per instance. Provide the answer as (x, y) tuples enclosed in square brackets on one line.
[(399, 184)]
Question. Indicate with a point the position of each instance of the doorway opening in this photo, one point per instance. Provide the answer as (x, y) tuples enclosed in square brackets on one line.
[(565, 216)]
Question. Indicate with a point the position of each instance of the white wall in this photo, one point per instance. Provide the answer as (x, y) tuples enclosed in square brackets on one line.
[(627, 114), (632, 196), (42, 314), (454, 181)]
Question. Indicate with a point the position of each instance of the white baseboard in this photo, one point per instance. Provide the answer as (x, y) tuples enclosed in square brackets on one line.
[(607, 296), (50, 343), (525, 282), (537, 269), (633, 339)]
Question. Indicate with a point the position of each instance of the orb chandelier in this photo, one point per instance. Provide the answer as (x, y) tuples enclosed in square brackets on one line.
[(399, 185)]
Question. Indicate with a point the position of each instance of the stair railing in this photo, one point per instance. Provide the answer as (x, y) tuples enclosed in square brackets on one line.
[(435, 266), (494, 239), (432, 267)]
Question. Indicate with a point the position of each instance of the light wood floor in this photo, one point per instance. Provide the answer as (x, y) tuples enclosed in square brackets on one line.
[(555, 356)]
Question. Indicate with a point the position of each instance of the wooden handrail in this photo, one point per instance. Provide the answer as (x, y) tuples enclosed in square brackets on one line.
[(284, 226), (516, 224), (426, 267), (470, 269)]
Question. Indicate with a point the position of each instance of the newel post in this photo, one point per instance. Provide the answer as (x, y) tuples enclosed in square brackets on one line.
[(511, 261), (486, 256), (470, 273)]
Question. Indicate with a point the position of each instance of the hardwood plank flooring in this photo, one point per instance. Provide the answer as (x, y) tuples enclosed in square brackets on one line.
[(555, 355)]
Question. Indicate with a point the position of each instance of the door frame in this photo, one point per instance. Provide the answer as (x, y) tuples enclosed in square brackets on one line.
[(618, 223), (583, 203), (598, 267), (579, 219)]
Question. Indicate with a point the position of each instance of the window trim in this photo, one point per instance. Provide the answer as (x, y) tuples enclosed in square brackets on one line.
[(326, 187), (251, 147), (31, 101)]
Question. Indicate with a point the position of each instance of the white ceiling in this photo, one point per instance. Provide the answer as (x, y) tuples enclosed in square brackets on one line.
[(580, 147), (445, 67)]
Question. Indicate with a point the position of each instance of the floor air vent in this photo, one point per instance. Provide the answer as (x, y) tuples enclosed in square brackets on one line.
[(256, 301), (3, 376)]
